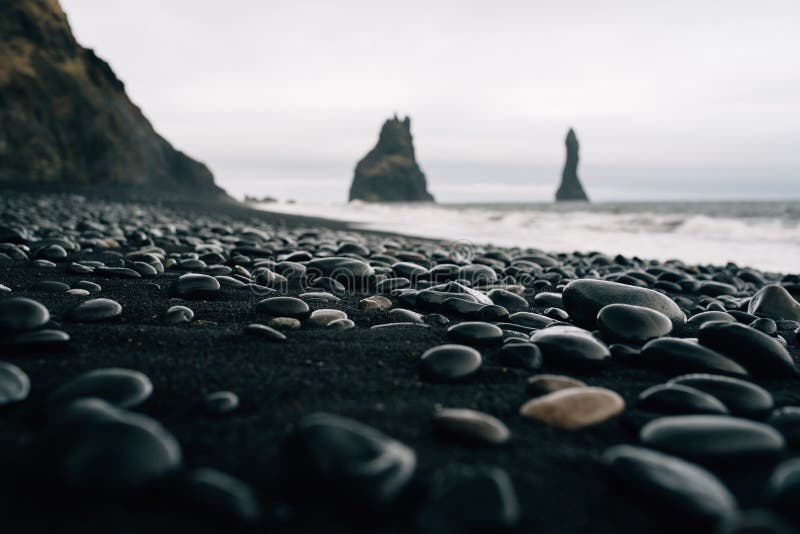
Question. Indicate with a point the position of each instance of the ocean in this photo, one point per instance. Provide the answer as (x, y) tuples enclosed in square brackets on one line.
[(760, 234)]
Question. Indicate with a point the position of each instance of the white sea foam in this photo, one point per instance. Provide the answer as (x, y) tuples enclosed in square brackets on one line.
[(765, 235)]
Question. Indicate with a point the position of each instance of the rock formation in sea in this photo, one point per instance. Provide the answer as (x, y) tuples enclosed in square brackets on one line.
[(65, 118), (571, 188), (389, 172)]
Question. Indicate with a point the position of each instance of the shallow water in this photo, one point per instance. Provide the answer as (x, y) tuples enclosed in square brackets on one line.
[(762, 234)]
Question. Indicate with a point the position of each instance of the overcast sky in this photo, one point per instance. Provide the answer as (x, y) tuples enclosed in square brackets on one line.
[(679, 99)]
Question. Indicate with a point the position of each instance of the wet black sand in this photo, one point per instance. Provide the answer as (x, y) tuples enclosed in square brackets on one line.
[(365, 374)]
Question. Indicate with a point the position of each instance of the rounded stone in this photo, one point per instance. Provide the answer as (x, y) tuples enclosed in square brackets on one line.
[(520, 355), (194, 286), (19, 314), (119, 387), (679, 399), (468, 498), (673, 485), (757, 352), (508, 300), (91, 287), (471, 426), (583, 300), (787, 421), (264, 332), (221, 495), (475, 333), (775, 302), (375, 302), (119, 454), (742, 398), (568, 347), (626, 323), (449, 362), (14, 384), (701, 318), (325, 316), (220, 402), (344, 461), (95, 310), (347, 271), (341, 324), (51, 286), (713, 438), (783, 489), (284, 307), (45, 339), (676, 356), (284, 323), (574, 408), (178, 315)]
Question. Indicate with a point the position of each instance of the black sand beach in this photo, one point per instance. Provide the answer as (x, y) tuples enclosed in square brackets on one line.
[(369, 375)]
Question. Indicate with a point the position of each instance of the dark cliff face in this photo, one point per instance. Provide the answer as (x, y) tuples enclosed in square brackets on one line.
[(389, 172), (65, 118), (571, 188)]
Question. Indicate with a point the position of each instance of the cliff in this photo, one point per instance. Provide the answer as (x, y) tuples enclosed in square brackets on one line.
[(571, 188), (389, 172), (65, 118)]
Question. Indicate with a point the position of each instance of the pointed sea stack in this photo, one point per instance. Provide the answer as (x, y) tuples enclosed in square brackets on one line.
[(65, 119), (571, 188), (389, 172)]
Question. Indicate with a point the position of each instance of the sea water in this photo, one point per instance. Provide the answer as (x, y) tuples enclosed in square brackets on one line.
[(762, 234)]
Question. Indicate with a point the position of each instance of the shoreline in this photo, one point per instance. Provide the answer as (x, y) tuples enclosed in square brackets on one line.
[(371, 375)]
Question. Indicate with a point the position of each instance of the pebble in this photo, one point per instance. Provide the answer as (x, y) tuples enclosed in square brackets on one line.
[(19, 314), (672, 485), (757, 352), (520, 355), (325, 316), (787, 421), (713, 438), (742, 398), (676, 356), (449, 363), (775, 302), (375, 302), (284, 323), (265, 332), (91, 287), (284, 307), (583, 300), (341, 324), (95, 311), (632, 324), (213, 492), (475, 333), (468, 498), (113, 451), (117, 272), (508, 300), (51, 286), (319, 296), (46, 339), (14, 384), (401, 315), (221, 402), (177, 315), (347, 271), (470, 426), (4, 289), (568, 347), (574, 408), (543, 384), (701, 318), (44, 264), (341, 460), (78, 293), (783, 489), (531, 320), (679, 399), (766, 325), (194, 286), (123, 388)]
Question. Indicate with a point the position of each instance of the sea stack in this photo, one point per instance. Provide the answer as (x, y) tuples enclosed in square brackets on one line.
[(65, 119), (389, 172), (571, 189)]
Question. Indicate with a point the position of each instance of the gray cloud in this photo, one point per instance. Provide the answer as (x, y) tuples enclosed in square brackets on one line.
[(670, 99)]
